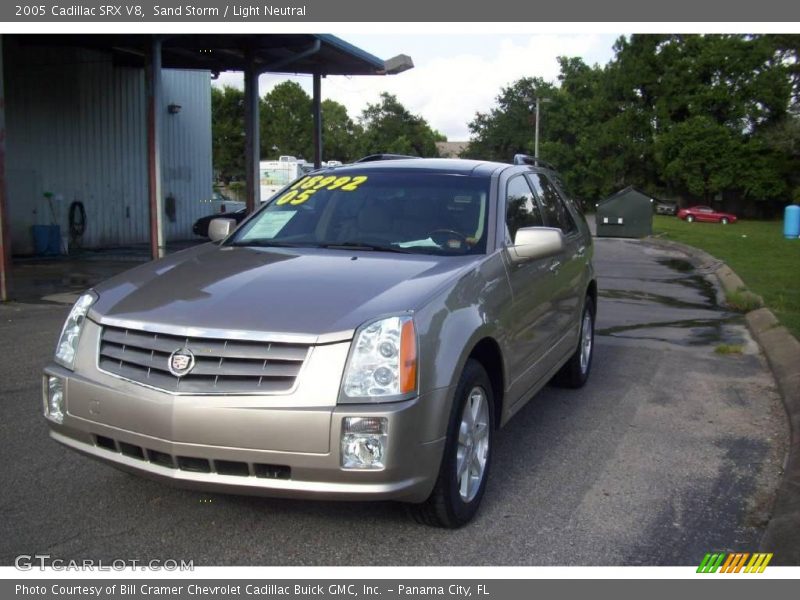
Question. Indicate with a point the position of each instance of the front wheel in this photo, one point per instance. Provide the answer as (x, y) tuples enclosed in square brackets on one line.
[(689, 218), (575, 371), (465, 464), (724, 220)]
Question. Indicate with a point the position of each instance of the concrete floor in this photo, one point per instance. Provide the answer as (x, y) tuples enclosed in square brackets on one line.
[(62, 278)]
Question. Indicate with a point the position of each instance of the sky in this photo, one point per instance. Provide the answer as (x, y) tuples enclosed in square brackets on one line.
[(454, 76)]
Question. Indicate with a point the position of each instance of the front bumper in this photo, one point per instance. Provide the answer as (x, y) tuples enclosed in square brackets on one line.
[(211, 443)]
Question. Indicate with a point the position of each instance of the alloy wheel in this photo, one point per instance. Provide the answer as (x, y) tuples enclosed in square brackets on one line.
[(473, 444), (587, 329)]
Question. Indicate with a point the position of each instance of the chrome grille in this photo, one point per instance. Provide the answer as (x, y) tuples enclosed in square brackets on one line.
[(221, 366)]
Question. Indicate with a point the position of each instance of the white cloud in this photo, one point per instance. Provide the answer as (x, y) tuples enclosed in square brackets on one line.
[(454, 79)]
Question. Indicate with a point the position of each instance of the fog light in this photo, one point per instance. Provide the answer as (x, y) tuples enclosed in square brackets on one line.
[(364, 442), (54, 409)]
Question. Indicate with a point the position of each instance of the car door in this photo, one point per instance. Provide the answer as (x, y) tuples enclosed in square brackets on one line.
[(565, 270), (530, 319), (704, 213)]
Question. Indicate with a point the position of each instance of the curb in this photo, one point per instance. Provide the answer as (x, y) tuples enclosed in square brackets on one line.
[(782, 351)]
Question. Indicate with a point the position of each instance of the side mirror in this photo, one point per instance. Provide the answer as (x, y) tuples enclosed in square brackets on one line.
[(536, 242), (219, 229)]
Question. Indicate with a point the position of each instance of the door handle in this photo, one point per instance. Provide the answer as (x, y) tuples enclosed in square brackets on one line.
[(555, 266), (581, 250)]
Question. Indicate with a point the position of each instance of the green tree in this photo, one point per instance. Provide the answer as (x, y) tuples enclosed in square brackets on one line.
[(700, 156), (340, 134), (717, 94), (286, 122), (779, 145), (286, 127), (508, 128), (227, 132), (389, 127), (687, 114)]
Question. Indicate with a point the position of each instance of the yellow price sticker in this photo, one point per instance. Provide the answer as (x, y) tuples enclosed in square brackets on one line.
[(299, 182), (305, 187), (286, 197), (353, 185)]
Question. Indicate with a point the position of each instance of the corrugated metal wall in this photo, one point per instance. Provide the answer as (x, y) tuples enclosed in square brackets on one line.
[(76, 127), (186, 169)]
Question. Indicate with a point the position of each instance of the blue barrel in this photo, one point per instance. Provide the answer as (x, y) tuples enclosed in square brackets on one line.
[(791, 222), (46, 239), (54, 240)]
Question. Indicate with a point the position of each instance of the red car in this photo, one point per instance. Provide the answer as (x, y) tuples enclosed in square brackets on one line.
[(705, 213)]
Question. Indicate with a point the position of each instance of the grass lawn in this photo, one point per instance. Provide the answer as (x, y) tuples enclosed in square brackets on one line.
[(768, 263)]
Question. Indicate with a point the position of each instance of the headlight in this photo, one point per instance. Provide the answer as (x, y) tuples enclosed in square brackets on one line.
[(71, 333), (383, 362)]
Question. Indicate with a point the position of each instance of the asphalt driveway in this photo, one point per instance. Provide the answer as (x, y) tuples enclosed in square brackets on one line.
[(672, 450)]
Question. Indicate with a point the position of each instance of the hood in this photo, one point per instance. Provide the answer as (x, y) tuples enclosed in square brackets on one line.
[(304, 292)]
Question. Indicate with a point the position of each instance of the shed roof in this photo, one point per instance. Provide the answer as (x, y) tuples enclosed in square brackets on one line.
[(282, 53), (624, 191), (451, 149)]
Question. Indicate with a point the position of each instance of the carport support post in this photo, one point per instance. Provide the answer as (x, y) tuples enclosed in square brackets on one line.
[(5, 241), (154, 108), (252, 144), (317, 120)]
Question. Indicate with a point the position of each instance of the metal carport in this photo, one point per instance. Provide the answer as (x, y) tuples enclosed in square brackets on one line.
[(318, 55)]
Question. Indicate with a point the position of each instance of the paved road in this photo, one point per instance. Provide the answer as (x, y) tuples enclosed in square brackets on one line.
[(672, 450)]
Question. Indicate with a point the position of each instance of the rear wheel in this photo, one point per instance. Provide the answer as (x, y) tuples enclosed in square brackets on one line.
[(575, 372), (724, 220), (465, 464), (689, 218)]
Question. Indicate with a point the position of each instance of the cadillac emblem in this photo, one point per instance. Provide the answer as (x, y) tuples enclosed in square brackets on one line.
[(181, 362)]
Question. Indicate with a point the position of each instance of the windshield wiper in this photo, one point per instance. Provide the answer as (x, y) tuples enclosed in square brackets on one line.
[(363, 246)]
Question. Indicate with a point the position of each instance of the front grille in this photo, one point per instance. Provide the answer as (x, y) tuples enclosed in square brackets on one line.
[(221, 366), (194, 464)]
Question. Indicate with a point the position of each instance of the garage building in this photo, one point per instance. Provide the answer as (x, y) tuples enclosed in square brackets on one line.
[(118, 128), (76, 127)]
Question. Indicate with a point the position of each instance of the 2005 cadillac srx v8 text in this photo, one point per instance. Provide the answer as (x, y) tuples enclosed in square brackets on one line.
[(361, 336)]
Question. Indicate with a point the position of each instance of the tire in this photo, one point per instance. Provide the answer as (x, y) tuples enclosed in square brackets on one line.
[(689, 218), (575, 372), (455, 499), (724, 220)]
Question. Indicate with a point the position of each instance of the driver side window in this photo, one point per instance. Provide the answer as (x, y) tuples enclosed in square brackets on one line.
[(521, 208)]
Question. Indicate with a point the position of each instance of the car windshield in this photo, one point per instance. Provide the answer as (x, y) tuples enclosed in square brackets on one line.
[(412, 212)]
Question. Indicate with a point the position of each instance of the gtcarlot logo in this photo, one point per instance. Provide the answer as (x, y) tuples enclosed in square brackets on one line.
[(29, 562)]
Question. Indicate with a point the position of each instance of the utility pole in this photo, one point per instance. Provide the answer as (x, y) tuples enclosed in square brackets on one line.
[(536, 134)]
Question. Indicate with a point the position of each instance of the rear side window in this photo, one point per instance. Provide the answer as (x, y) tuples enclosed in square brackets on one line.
[(555, 209), (521, 207)]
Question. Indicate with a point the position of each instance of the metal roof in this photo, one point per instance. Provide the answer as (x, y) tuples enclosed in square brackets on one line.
[(625, 191), (278, 53)]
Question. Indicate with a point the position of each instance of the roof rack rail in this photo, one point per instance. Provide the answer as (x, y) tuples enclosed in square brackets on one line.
[(377, 157), (525, 159)]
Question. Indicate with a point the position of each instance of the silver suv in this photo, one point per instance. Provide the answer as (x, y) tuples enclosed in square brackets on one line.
[(361, 336)]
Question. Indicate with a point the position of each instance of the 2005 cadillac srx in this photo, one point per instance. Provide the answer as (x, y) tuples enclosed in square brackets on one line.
[(361, 336)]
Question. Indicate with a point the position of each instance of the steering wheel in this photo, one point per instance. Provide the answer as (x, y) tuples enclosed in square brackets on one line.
[(442, 236)]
